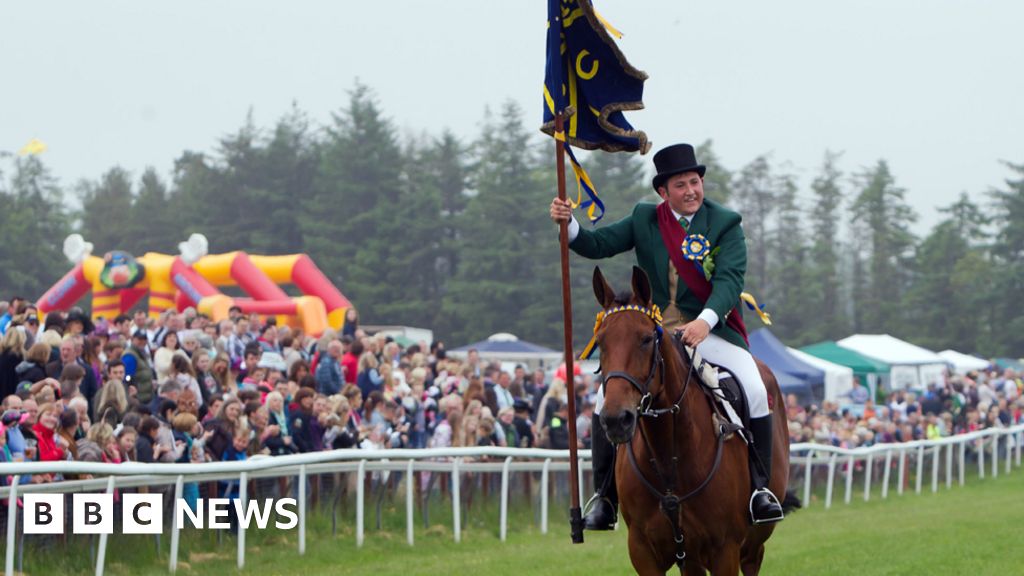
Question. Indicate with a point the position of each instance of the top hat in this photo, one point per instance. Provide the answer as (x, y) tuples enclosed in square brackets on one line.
[(673, 160)]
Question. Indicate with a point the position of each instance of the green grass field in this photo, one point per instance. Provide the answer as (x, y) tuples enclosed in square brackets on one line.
[(969, 530)]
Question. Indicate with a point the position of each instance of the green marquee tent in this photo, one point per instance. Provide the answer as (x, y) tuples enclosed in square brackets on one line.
[(861, 365), (871, 372)]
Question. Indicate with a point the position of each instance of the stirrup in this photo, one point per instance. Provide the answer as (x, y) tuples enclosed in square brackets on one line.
[(593, 509), (775, 513)]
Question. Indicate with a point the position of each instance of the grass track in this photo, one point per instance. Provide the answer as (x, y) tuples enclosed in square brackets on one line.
[(969, 530)]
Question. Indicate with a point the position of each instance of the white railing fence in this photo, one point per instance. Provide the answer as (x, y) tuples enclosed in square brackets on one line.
[(457, 462), (1000, 447), (990, 450)]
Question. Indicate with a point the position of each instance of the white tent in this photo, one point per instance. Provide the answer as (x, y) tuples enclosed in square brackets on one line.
[(838, 379), (507, 347), (911, 366), (963, 363)]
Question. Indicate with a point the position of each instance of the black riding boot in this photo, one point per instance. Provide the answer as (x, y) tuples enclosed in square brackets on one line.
[(764, 506), (604, 513)]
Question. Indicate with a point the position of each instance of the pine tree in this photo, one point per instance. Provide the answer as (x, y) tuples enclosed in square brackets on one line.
[(754, 196), (356, 187), (622, 181), (947, 301), (824, 275), (197, 192), (33, 225), (507, 278), (881, 227), (718, 180), (287, 166), (152, 226), (787, 292), (107, 211), (1007, 320)]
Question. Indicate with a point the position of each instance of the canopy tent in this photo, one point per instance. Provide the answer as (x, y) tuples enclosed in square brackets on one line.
[(964, 363), (1011, 363), (774, 353), (507, 347), (838, 378), (860, 364), (871, 372), (790, 384), (910, 366)]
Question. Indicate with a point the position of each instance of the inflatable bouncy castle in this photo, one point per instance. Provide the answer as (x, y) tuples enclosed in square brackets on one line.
[(194, 278)]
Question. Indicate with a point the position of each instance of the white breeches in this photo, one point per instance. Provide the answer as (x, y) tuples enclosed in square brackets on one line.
[(719, 351)]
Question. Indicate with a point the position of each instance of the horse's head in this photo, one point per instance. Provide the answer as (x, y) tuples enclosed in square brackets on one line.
[(629, 334)]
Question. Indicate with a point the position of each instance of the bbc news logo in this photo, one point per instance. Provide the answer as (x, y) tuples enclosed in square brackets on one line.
[(144, 513)]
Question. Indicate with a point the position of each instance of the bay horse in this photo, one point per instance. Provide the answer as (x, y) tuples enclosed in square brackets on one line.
[(682, 475)]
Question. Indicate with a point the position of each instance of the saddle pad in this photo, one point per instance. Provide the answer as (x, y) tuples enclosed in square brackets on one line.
[(710, 376)]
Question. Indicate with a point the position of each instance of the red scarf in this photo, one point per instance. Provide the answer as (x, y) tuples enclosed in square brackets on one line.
[(672, 235)]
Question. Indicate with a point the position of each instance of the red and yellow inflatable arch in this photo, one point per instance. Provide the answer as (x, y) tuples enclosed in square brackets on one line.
[(193, 278)]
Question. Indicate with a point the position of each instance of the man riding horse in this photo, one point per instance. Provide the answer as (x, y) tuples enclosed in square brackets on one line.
[(704, 323)]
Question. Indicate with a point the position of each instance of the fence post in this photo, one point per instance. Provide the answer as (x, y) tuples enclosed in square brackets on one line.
[(1009, 452), (920, 468), (981, 457), (456, 501), (243, 488), (12, 525), (935, 468), (175, 529), (850, 467), (544, 473), (579, 480), (410, 497), (867, 476), (807, 478), (995, 455), (101, 552), (885, 474), (902, 472), (831, 477), (1020, 438), (962, 469), (504, 498), (302, 510), (360, 501), (949, 466)]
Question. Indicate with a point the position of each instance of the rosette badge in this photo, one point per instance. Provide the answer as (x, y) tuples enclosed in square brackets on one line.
[(696, 247)]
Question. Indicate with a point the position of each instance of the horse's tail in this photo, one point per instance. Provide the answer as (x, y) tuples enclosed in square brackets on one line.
[(791, 502)]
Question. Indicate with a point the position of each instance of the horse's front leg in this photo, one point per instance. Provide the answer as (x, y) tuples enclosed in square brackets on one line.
[(726, 562), (642, 554)]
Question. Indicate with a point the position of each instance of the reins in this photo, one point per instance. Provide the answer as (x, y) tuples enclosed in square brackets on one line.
[(669, 501)]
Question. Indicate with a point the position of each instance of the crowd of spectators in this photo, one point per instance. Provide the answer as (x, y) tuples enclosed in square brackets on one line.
[(958, 405), (182, 388)]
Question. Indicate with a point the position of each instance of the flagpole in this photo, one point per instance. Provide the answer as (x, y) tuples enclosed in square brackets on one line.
[(575, 515)]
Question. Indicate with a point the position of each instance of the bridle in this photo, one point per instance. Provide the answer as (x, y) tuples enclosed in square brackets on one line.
[(669, 501), (657, 364)]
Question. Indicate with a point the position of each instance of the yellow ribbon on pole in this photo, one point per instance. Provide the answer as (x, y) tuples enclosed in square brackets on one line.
[(751, 302)]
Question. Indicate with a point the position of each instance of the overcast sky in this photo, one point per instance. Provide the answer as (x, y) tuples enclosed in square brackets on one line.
[(932, 86)]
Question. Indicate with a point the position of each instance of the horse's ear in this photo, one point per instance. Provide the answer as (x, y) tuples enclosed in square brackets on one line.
[(641, 286), (602, 291)]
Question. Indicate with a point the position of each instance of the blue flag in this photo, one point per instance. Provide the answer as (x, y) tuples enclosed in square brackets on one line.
[(589, 80)]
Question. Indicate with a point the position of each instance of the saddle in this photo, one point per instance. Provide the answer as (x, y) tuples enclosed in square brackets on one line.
[(728, 403)]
